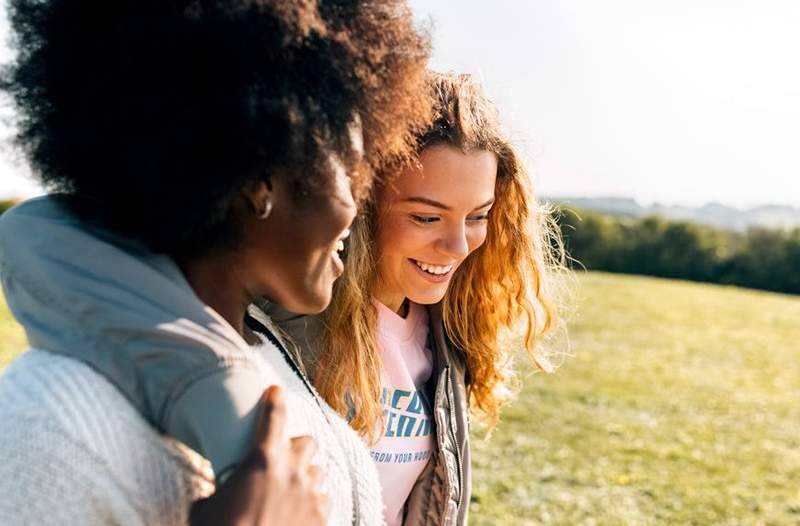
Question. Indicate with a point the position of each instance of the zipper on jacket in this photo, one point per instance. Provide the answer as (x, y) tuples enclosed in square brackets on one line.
[(441, 424), (451, 428), (262, 328)]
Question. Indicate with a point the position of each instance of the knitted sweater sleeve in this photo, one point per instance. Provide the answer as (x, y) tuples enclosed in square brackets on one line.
[(47, 477), (73, 450)]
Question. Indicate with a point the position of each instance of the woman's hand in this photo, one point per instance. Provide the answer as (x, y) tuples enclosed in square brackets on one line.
[(274, 485)]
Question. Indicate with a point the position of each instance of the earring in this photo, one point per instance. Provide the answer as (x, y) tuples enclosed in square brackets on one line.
[(266, 211)]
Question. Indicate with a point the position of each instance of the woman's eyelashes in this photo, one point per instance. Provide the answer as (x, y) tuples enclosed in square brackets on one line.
[(481, 217), (428, 219), (424, 220)]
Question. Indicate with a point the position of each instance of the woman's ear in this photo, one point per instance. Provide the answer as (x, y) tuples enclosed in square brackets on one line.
[(259, 195)]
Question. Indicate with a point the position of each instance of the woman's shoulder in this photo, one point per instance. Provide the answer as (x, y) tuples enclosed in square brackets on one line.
[(300, 333), (345, 459), (61, 392), (40, 381), (76, 442)]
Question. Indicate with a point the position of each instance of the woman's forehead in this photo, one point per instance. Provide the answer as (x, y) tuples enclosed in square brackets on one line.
[(449, 176)]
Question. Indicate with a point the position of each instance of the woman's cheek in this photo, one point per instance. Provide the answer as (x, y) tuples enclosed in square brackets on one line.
[(389, 231), (477, 238), (411, 235)]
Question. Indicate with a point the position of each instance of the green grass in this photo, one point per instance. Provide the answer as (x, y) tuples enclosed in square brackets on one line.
[(12, 338), (681, 405)]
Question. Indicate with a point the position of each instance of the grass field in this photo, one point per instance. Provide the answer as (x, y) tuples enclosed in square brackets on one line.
[(12, 339), (680, 406)]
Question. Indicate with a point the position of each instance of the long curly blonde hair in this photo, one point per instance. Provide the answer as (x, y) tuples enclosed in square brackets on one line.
[(503, 288)]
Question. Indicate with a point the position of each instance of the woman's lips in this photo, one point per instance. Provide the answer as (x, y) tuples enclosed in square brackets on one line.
[(338, 264), (433, 278)]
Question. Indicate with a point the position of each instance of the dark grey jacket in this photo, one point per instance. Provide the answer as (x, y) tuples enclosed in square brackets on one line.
[(441, 495)]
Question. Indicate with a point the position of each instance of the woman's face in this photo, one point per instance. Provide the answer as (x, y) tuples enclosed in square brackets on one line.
[(429, 221), (294, 252)]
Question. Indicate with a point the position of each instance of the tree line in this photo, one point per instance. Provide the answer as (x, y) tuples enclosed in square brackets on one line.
[(758, 258)]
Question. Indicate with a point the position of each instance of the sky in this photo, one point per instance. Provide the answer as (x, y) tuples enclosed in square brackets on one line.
[(672, 101), (676, 101)]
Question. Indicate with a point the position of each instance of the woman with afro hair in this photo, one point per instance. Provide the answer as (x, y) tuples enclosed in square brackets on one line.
[(199, 155)]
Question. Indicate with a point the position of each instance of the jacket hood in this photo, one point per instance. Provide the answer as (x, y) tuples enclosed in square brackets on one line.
[(130, 314)]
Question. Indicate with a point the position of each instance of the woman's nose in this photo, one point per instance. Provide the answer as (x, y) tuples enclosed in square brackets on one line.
[(454, 242)]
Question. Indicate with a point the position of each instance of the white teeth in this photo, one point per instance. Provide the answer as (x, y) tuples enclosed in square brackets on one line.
[(340, 243), (434, 269)]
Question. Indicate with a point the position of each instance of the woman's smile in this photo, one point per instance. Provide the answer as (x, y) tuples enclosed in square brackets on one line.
[(432, 217), (336, 254), (434, 273)]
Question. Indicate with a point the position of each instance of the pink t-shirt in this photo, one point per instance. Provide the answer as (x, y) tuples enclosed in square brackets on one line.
[(406, 443)]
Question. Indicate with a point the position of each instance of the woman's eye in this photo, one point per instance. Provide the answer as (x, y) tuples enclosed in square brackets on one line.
[(425, 220), (482, 217)]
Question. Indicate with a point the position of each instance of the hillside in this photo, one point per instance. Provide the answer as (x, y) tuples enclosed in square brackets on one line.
[(712, 214), (679, 406)]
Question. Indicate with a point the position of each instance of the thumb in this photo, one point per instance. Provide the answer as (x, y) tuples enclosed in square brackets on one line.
[(271, 424)]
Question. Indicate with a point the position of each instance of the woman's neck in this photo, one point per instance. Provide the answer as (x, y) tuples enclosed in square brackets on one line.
[(395, 302), (214, 279)]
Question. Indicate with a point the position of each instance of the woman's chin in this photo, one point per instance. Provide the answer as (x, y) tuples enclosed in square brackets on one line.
[(427, 297), (309, 302)]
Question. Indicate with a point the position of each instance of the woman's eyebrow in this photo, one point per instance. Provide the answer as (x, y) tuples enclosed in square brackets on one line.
[(437, 204), (426, 201), (484, 205)]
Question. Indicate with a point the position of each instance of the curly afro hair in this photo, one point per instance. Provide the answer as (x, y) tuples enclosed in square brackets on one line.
[(155, 113)]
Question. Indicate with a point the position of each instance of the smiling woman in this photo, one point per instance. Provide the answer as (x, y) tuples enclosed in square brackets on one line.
[(451, 254), (201, 154), (431, 218)]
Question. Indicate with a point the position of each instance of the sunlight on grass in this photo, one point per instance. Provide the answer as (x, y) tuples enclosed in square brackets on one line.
[(679, 407), (12, 337)]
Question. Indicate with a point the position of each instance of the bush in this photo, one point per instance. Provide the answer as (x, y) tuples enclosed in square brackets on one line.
[(759, 258)]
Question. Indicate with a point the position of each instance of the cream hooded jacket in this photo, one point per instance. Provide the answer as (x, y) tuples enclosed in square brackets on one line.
[(110, 313)]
